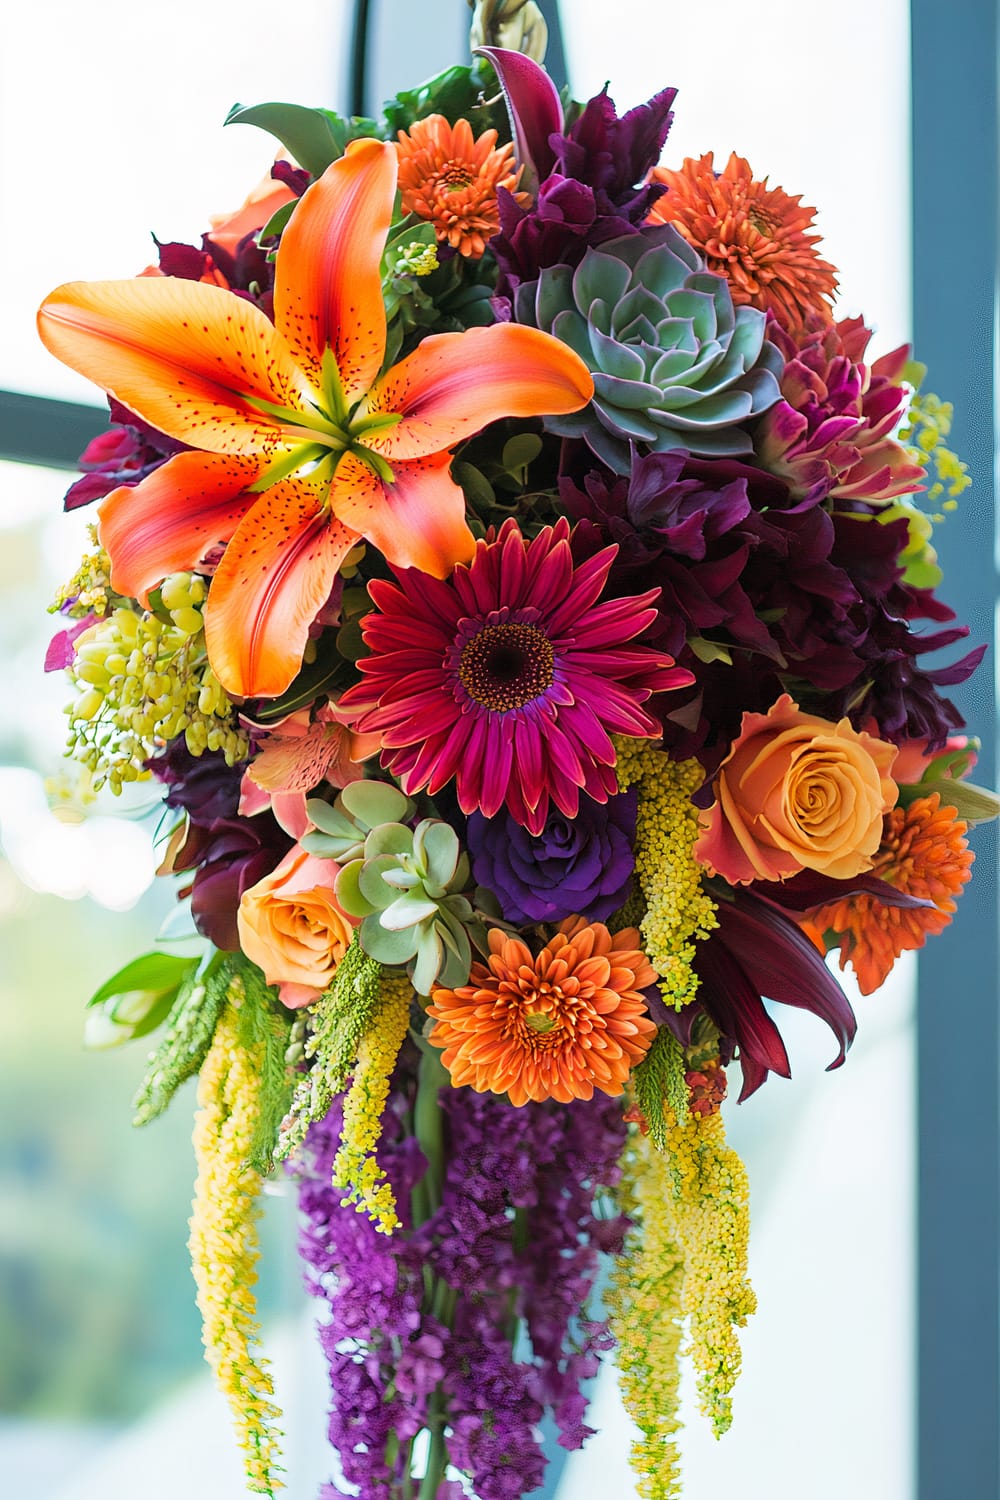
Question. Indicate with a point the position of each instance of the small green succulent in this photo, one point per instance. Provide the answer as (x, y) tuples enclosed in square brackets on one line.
[(404, 883), (341, 830)]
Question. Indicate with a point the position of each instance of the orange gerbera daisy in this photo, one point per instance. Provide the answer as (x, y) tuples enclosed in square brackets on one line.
[(552, 1027), (451, 179), (923, 853), (753, 235)]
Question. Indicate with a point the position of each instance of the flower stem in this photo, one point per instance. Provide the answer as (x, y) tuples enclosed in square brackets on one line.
[(437, 1453)]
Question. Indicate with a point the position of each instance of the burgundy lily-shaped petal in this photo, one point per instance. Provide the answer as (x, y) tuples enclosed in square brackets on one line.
[(534, 107), (759, 950)]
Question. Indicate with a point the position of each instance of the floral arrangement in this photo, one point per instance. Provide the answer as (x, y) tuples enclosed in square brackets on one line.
[(510, 565)]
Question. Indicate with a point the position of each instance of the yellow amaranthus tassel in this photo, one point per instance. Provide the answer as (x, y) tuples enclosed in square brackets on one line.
[(223, 1241), (678, 910), (644, 1302), (356, 1167), (710, 1207)]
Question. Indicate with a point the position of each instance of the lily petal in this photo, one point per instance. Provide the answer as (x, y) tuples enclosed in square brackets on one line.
[(417, 521), (173, 517), (454, 384), (183, 355), (273, 580), (328, 287)]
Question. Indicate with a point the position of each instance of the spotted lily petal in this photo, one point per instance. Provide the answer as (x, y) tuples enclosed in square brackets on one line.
[(454, 384), (182, 355), (273, 580), (417, 521), (328, 287), (173, 517)]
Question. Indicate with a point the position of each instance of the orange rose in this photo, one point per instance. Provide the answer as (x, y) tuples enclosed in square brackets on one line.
[(797, 793), (292, 927)]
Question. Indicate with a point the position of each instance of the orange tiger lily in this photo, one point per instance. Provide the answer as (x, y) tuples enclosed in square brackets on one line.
[(298, 448)]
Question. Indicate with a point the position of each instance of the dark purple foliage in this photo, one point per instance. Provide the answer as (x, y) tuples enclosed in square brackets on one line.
[(227, 853)]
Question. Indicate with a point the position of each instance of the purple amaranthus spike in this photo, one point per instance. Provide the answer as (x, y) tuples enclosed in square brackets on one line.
[(515, 1236)]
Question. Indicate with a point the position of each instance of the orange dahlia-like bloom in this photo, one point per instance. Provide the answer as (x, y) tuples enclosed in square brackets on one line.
[(552, 1027), (451, 179), (923, 853), (753, 235)]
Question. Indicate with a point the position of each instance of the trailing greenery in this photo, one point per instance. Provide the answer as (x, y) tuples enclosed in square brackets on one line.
[(264, 1030), (185, 1043), (340, 1019), (658, 1081)]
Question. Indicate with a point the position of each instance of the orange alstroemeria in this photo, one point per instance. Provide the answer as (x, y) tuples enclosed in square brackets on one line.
[(298, 447)]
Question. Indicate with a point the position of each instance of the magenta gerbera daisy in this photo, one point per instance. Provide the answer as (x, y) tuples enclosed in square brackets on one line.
[(509, 677)]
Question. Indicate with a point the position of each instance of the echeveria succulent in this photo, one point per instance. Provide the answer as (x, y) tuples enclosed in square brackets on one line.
[(675, 364), (341, 830), (406, 886)]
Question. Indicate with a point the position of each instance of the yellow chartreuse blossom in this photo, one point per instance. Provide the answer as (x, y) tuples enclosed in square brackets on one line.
[(356, 1168), (89, 589), (685, 1260), (679, 911), (143, 681), (223, 1240), (929, 422), (644, 1303)]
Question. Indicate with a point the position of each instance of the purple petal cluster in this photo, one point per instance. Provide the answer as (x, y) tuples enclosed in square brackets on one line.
[(596, 189), (515, 1242), (575, 866), (801, 599)]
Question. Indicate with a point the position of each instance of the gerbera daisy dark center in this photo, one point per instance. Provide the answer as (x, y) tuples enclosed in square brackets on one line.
[(505, 666)]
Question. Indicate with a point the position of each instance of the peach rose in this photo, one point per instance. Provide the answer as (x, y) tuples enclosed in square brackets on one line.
[(797, 792), (292, 927)]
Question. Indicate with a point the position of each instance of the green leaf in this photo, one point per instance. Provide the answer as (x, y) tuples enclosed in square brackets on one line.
[(318, 677), (475, 485), (659, 1079), (974, 804), (709, 651), (373, 887), (185, 1043), (430, 957), (408, 910), (277, 221), (314, 137), (520, 451), (158, 973), (389, 838), (436, 848), (330, 820)]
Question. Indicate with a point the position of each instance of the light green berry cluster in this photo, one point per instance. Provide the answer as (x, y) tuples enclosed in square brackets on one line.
[(144, 680)]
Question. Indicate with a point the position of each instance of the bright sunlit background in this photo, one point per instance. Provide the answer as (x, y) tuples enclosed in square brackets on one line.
[(110, 116)]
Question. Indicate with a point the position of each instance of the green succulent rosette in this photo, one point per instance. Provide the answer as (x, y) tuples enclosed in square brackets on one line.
[(405, 884), (675, 364)]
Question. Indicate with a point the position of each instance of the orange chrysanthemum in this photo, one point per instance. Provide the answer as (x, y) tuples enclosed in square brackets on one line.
[(923, 853), (552, 1027), (753, 235), (451, 179)]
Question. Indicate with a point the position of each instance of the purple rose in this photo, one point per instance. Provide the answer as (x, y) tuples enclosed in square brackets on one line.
[(578, 866)]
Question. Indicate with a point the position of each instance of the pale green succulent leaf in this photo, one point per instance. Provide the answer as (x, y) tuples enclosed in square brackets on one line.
[(375, 802), (348, 890)]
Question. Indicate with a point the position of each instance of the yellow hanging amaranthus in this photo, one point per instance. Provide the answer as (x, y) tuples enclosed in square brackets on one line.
[(678, 910), (356, 1168), (710, 1207), (644, 1304), (684, 1259), (223, 1241)]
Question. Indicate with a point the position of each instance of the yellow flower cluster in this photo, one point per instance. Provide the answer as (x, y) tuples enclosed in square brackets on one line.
[(685, 1260), (710, 1209), (644, 1303), (416, 259), (356, 1167), (89, 589), (929, 423), (223, 1241), (144, 681), (678, 910)]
